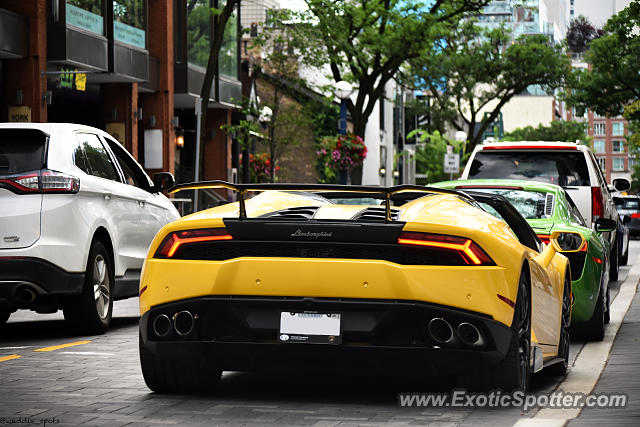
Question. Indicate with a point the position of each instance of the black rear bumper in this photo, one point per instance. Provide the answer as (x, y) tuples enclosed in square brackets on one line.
[(43, 277), (378, 336)]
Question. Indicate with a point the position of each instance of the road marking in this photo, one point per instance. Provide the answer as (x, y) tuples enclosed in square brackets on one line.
[(57, 347), (16, 348), (87, 353), (13, 356), (590, 363)]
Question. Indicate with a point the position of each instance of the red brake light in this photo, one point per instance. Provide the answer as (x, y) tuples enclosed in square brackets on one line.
[(529, 147), (544, 238), (597, 208), (467, 248), (635, 215), (174, 240)]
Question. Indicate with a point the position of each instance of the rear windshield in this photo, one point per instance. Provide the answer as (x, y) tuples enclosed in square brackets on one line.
[(630, 203), (530, 204), (21, 150), (560, 168)]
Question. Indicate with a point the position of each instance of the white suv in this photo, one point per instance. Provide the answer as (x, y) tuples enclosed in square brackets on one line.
[(572, 166), (77, 215)]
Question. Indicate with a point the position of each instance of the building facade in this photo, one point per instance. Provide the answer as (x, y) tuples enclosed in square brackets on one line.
[(131, 67)]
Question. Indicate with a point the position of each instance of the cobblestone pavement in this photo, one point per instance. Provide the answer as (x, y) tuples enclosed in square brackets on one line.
[(99, 383)]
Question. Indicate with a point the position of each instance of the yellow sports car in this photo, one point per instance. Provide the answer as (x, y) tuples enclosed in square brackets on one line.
[(400, 280)]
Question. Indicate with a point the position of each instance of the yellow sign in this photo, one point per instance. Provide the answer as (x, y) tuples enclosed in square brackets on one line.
[(81, 82), (20, 113), (117, 130)]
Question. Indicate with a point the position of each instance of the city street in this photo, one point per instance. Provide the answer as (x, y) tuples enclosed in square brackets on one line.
[(50, 375)]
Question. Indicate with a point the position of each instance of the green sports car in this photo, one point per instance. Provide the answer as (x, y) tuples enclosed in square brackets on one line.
[(548, 208)]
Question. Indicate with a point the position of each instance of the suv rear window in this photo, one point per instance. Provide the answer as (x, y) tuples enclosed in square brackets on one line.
[(21, 150), (560, 168)]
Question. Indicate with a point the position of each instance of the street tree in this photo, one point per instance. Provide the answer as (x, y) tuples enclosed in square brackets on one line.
[(580, 34), (557, 130), (472, 72), (277, 48), (612, 80), (367, 42), (222, 34)]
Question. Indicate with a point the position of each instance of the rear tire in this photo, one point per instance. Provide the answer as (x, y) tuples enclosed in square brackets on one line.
[(91, 311), (514, 371), (594, 328), (179, 376), (607, 313)]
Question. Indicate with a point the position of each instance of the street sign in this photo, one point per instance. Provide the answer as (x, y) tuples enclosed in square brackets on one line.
[(451, 163)]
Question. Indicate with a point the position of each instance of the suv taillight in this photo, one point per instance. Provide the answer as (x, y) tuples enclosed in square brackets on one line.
[(597, 207), (43, 181)]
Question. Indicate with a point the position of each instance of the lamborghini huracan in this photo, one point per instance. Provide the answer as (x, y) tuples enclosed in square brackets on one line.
[(404, 280)]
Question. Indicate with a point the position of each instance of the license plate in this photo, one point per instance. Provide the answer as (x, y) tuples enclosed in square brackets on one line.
[(322, 328)]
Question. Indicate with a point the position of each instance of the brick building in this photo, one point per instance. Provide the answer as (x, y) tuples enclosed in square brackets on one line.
[(131, 67)]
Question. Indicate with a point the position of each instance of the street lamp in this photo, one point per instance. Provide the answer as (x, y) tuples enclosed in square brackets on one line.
[(265, 115), (461, 136), (343, 91)]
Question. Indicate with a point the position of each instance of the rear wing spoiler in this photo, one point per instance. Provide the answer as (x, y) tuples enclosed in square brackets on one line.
[(386, 193)]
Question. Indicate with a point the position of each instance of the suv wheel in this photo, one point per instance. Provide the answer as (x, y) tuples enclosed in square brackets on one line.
[(91, 310)]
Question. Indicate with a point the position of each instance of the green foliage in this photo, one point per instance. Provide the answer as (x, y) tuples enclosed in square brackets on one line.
[(430, 154), (558, 130), (198, 32), (474, 70), (367, 42), (613, 81)]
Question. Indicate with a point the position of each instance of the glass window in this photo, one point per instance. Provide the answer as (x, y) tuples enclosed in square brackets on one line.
[(133, 174), (85, 14), (618, 164), (80, 159), (530, 204), (21, 150), (617, 129), (100, 163), (599, 146), (633, 163), (599, 128), (603, 163), (129, 22), (618, 146), (198, 32), (229, 49), (556, 168)]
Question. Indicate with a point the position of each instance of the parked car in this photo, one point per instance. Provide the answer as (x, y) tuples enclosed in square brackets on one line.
[(77, 215), (548, 208), (572, 166), (419, 281), (629, 210)]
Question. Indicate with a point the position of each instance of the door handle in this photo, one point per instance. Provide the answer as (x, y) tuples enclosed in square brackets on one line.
[(141, 203), (107, 196)]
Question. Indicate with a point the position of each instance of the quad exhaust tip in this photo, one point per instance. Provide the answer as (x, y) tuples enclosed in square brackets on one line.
[(440, 330), (183, 322), (470, 335), (26, 294), (162, 325)]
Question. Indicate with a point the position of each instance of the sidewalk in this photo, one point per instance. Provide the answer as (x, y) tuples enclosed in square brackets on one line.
[(621, 375)]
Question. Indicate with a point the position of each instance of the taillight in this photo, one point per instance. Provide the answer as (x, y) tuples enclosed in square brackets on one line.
[(176, 239), (470, 252), (44, 181), (635, 215), (597, 208), (544, 238)]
